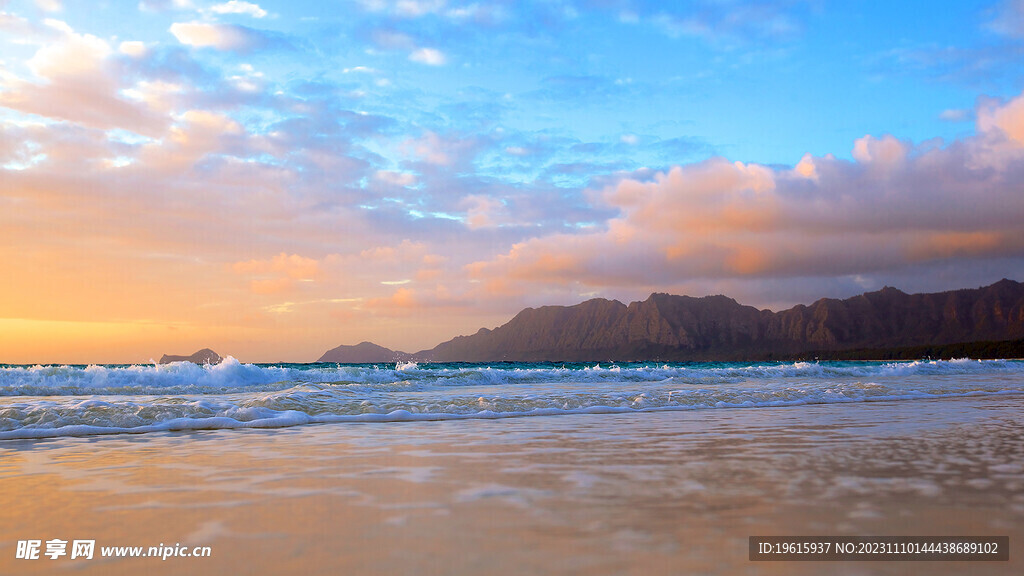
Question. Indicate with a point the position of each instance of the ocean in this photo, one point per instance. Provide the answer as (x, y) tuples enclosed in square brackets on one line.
[(54, 401), (504, 468)]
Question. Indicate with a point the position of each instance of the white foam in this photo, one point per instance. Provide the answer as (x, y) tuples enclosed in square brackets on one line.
[(48, 401), (231, 374)]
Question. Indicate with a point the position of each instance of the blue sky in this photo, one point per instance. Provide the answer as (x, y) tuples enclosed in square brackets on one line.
[(762, 82), (408, 170)]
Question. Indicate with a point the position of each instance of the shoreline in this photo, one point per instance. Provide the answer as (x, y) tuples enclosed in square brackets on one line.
[(669, 492), (922, 352), (793, 359)]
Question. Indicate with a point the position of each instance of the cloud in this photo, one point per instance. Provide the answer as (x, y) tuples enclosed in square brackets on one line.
[(226, 37), (807, 168), (480, 13), (974, 65), (417, 8), (238, 7), (391, 178), (403, 300), (429, 56), (135, 49), (279, 274), (195, 135), (78, 82), (179, 171), (448, 150), (1009, 18), (893, 207), (490, 14), (74, 55), (405, 252), (14, 24), (406, 301), (955, 115), (50, 5), (165, 5), (1006, 119), (572, 88), (721, 24), (484, 211), (390, 39)]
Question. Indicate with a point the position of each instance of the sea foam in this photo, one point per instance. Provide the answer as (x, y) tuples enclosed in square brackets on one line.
[(52, 401)]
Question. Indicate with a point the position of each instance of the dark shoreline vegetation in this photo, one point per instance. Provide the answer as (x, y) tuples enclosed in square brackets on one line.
[(988, 350)]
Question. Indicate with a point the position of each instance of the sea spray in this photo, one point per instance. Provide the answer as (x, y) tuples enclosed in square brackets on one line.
[(53, 401)]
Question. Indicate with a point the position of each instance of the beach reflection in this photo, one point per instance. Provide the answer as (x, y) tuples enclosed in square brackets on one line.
[(649, 493)]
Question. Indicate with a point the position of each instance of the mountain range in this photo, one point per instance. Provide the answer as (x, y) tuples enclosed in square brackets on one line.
[(881, 324)]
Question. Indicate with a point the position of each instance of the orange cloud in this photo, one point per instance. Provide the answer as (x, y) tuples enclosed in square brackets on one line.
[(884, 153), (279, 274), (272, 285), (406, 251), (423, 301), (895, 206), (1007, 119), (402, 299), (748, 260), (806, 168), (941, 245)]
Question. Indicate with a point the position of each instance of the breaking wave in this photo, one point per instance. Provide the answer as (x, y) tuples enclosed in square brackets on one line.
[(53, 401)]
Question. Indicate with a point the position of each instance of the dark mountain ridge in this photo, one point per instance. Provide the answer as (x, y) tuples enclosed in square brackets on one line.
[(682, 328), (363, 353)]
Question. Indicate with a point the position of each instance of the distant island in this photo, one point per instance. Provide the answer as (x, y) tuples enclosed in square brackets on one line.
[(204, 356), (364, 353), (986, 322)]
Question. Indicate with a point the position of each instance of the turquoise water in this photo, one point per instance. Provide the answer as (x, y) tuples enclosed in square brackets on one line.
[(54, 401)]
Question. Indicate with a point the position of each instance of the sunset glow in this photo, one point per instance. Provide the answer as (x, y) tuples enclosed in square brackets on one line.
[(273, 179)]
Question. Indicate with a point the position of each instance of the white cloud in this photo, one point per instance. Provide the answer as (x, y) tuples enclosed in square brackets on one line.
[(429, 56), (58, 25), (955, 115), (79, 84), (74, 55), (218, 36), (163, 5), (134, 49), (50, 5), (416, 8), (237, 7), (405, 8)]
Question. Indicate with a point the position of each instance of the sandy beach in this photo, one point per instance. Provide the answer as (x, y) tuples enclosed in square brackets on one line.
[(652, 493)]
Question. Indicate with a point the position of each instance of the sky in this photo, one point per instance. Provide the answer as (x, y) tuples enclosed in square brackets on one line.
[(275, 179)]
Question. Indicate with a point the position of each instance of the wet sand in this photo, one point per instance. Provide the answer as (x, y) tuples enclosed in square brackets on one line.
[(649, 493)]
